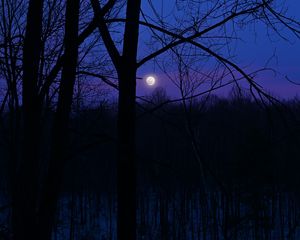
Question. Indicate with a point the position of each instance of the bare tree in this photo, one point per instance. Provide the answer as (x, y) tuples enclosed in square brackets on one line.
[(45, 52), (25, 193), (54, 175), (201, 32), (126, 67)]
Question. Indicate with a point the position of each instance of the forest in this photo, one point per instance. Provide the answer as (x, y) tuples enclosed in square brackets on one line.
[(90, 148)]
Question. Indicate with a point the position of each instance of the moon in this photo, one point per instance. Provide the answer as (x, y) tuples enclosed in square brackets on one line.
[(150, 80)]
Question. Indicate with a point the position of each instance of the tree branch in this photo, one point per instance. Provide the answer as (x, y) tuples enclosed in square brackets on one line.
[(106, 37), (81, 38)]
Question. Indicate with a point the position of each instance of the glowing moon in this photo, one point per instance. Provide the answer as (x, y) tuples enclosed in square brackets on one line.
[(150, 80)]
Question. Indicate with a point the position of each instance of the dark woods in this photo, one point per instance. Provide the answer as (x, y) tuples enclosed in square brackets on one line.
[(248, 187), (77, 165)]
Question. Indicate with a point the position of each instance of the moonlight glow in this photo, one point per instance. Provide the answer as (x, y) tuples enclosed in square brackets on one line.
[(150, 80)]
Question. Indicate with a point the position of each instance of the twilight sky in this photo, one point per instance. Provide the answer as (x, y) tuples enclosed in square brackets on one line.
[(256, 49)]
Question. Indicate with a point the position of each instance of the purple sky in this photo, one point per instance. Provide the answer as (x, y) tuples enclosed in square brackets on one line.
[(255, 51)]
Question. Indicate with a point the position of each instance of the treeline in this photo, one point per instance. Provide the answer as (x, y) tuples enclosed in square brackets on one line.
[(240, 143)]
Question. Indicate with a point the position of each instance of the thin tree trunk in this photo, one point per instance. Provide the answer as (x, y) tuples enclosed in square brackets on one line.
[(26, 173), (51, 189)]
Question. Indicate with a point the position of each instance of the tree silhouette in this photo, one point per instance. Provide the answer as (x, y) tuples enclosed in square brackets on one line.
[(57, 162), (126, 66), (26, 171)]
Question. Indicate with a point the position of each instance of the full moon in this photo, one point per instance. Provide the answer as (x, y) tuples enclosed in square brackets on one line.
[(150, 80)]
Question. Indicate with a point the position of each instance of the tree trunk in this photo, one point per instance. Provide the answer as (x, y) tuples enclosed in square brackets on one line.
[(26, 173), (54, 177), (126, 165), (126, 66)]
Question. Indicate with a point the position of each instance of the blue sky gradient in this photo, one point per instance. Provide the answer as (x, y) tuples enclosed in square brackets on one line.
[(257, 48)]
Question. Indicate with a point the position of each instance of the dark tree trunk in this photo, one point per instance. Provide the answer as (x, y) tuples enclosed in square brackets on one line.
[(126, 166), (53, 180), (126, 66), (126, 182), (26, 173)]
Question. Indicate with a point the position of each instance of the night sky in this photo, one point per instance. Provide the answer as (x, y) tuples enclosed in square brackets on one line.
[(257, 48)]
